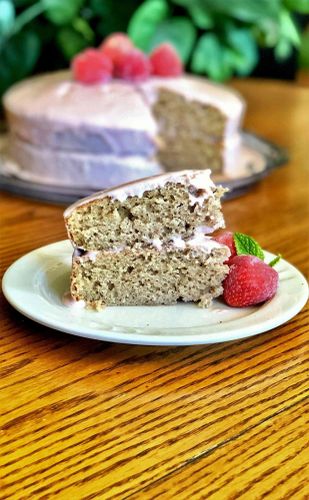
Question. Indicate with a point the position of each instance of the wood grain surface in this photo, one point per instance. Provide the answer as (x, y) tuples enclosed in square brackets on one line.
[(82, 419)]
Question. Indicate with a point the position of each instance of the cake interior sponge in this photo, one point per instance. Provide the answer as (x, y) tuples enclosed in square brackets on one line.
[(156, 208), (142, 276)]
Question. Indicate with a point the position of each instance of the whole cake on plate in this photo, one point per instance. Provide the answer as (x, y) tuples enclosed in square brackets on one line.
[(99, 125), (148, 242)]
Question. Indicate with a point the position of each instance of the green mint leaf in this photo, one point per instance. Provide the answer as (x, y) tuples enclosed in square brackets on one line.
[(273, 262), (245, 245)]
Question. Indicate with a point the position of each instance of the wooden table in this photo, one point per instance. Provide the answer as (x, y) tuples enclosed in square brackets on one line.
[(83, 419)]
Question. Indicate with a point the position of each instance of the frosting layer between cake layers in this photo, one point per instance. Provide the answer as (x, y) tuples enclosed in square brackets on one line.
[(199, 241)]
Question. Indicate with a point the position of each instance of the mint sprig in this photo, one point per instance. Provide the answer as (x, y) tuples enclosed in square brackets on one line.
[(273, 262), (246, 245)]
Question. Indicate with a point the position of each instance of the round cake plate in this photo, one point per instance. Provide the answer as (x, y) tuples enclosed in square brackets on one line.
[(36, 284), (257, 159)]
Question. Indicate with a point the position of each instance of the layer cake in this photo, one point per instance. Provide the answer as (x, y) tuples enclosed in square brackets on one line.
[(65, 133)]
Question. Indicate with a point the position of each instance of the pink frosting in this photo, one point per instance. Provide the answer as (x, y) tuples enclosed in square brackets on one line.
[(55, 97), (118, 104), (198, 241)]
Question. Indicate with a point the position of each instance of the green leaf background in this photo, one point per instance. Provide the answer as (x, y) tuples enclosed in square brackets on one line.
[(143, 25), (7, 17), (61, 11), (215, 38), (18, 58)]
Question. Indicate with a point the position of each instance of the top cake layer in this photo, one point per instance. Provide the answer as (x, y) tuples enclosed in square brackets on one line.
[(199, 180), (54, 101), (152, 211), (57, 98)]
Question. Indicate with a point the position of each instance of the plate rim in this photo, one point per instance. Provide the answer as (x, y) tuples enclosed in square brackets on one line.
[(153, 339)]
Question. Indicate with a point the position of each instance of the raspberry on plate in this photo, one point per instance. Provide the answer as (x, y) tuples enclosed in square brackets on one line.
[(132, 66), (115, 45), (250, 281), (92, 66), (165, 61), (227, 238)]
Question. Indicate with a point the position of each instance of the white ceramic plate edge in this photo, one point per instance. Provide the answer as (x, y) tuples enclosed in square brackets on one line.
[(244, 329)]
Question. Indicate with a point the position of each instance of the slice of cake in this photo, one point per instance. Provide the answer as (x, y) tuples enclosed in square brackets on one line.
[(146, 242)]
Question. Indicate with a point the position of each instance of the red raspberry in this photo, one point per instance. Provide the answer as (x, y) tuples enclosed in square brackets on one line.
[(250, 281), (132, 66), (92, 66), (165, 61), (226, 238), (119, 41), (115, 45)]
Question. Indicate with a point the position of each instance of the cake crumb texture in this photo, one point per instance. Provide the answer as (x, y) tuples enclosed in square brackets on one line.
[(147, 276), (160, 213), (191, 132)]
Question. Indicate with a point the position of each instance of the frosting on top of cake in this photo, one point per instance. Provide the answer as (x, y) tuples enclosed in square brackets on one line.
[(199, 179), (116, 104), (198, 241), (56, 97)]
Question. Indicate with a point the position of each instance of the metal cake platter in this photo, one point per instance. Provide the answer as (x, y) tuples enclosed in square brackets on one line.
[(258, 157)]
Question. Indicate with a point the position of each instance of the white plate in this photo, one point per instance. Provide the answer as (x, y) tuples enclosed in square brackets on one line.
[(36, 283)]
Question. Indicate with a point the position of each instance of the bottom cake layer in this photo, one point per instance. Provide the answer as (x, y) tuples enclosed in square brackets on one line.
[(81, 170), (101, 171), (149, 275)]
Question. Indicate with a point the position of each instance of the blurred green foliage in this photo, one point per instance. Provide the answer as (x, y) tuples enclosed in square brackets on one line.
[(217, 38)]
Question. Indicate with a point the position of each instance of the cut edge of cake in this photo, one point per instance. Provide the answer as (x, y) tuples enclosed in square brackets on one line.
[(190, 270), (154, 208), (185, 265)]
